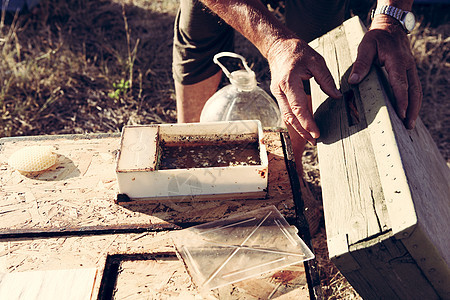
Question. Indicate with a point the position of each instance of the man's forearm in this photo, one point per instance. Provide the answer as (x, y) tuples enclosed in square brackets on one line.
[(253, 20)]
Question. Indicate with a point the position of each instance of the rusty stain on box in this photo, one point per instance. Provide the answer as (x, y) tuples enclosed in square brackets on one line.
[(218, 161)]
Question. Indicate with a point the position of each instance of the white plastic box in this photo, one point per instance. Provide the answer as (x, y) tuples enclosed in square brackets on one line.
[(151, 164)]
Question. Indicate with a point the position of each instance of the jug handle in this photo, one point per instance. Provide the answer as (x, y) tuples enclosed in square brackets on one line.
[(230, 54)]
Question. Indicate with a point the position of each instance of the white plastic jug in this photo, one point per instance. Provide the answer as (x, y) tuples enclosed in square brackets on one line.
[(242, 99)]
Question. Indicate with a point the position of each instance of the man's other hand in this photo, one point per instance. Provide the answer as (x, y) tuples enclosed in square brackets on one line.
[(291, 61), (387, 44)]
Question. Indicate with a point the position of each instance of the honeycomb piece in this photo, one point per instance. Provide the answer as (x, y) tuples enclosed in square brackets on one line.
[(33, 159)]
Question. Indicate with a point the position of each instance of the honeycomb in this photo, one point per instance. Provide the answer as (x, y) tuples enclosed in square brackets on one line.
[(33, 159)]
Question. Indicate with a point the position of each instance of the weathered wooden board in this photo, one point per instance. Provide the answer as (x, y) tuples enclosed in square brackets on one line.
[(85, 182), (386, 190), (78, 194), (75, 284), (148, 267)]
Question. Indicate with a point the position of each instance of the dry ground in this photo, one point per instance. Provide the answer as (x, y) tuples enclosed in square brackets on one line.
[(94, 66)]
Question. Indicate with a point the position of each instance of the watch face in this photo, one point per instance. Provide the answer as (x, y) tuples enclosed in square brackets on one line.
[(410, 21)]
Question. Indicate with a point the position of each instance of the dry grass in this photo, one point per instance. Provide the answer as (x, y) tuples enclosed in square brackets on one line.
[(94, 66), (431, 48), (85, 66)]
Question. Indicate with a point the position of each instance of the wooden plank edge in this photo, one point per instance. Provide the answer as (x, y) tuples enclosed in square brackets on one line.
[(392, 174), (260, 195), (86, 136), (11, 234), (311, 267)]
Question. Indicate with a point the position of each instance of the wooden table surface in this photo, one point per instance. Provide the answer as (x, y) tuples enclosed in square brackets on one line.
[(67, 218)]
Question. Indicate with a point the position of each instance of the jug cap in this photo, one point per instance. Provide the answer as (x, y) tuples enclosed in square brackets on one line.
[(244, 80)]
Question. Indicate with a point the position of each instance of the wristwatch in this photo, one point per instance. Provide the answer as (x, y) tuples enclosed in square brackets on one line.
[(406, 18)]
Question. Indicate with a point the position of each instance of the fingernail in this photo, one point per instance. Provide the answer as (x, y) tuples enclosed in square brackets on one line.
[(411, 124), (354, 78), (403, 114)]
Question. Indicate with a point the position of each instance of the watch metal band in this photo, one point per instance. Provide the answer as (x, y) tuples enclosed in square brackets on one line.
[(391, 11), (388, 10)]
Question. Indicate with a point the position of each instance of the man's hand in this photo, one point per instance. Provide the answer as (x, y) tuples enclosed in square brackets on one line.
[(291, 61), (387, 44)]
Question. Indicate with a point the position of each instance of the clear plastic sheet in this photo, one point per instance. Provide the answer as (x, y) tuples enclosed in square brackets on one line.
[(240, 247)]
